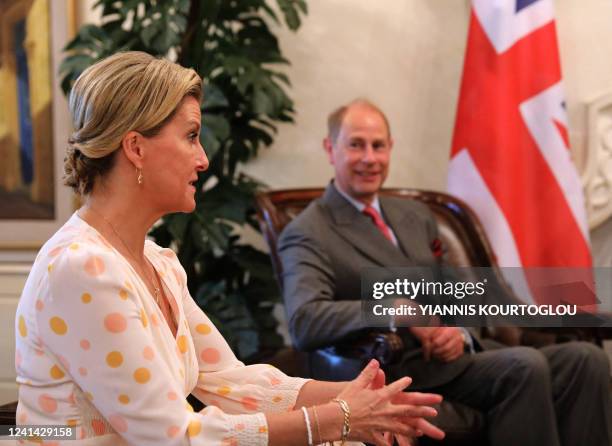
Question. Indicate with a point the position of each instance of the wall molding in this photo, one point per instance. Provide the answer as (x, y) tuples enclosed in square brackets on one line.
[(597, 176)]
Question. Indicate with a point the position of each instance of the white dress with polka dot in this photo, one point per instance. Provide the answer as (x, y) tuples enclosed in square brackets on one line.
[(93, 351)]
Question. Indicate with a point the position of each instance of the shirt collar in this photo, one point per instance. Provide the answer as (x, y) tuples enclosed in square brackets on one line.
[(358, 204)]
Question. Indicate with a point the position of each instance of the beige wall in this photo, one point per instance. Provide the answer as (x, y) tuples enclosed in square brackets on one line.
[(406, 56), (585, 40), (12, 279)]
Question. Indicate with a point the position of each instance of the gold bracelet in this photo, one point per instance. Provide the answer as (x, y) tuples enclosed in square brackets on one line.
[(316, 419), (346, 427)]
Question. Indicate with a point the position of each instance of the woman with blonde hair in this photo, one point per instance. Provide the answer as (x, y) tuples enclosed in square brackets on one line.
[(110, 342)]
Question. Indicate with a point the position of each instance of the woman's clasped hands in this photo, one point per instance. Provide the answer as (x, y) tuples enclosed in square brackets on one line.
[(379, 412)]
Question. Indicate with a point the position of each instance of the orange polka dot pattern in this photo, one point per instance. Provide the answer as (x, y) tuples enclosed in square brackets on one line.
[(114, 359), (105, 335)]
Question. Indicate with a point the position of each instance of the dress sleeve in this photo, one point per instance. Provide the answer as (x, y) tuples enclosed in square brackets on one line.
[(94, 324), (223, 380)]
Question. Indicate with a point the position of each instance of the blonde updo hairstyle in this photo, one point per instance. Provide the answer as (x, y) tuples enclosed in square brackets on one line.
[(124, 92)]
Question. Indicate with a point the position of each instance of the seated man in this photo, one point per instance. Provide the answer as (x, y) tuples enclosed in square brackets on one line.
[(557, 395)]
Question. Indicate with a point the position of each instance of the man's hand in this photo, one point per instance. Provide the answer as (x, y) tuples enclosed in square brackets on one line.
[(448, 343), (424, 334), (443, 343)]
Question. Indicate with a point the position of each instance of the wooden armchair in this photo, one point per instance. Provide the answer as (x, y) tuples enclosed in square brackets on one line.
[(460, 230), (463, 236), (7, 413)]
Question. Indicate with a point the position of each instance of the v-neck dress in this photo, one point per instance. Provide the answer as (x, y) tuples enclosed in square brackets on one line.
[(93, 351)]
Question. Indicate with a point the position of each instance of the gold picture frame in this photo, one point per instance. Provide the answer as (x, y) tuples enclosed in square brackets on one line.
[(35, 203)]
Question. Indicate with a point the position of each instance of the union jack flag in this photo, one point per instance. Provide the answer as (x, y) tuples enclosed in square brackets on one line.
[(510, 158)]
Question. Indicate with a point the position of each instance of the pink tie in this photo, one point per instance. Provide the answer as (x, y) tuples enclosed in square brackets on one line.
[(378, 221)]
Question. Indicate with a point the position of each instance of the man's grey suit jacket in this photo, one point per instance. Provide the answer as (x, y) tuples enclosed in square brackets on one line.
[(323, 251)]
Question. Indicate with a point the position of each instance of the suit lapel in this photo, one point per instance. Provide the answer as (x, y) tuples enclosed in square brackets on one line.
[(401, 221), (359, 231)]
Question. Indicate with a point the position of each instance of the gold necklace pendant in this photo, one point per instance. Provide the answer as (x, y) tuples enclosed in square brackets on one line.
[(156, 290)]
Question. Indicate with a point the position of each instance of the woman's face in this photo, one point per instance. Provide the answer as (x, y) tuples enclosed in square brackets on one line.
[(174, 158)]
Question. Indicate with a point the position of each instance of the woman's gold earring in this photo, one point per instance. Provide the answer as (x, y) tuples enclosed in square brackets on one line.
[(139, 176)]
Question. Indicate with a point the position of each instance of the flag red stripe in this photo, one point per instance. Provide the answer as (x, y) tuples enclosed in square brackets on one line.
[(563, 132), (490, 126)]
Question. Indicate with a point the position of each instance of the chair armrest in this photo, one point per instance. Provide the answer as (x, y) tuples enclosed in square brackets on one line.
[(385, 347), (7, 413), (343, 362)]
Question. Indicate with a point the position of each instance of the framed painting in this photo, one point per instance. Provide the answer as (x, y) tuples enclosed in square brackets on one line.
[(34, 123)]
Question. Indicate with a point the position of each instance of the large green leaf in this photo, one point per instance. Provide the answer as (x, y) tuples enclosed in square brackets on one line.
[(213, 98), (128, 5), (218, 124), (291, 9), (148, 33), (177, 225)]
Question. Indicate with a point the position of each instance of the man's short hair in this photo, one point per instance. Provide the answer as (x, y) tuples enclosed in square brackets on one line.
[(335, 118)]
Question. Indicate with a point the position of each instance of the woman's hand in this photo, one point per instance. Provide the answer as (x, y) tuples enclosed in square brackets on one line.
[(376, 408), (418, 423)]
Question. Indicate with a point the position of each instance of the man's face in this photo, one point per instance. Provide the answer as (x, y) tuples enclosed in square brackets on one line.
[(360, 154)]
